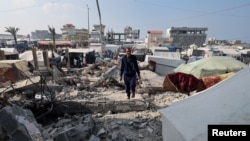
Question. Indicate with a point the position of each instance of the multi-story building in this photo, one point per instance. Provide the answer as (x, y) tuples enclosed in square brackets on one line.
[(69, 32), (128, 34), (96, 34), (131, 33), (186, 36), (42, 35), (154, 38)]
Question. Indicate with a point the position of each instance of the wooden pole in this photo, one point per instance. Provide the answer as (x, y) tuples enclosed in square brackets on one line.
[(2, 55), (35, 58), (46, 58), (68, 59)]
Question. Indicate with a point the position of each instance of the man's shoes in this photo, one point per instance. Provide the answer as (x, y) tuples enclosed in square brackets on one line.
[(128, 97), (133, 95)]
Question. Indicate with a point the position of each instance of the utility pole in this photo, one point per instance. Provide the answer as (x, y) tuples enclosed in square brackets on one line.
[(100, 26), (88, 24)]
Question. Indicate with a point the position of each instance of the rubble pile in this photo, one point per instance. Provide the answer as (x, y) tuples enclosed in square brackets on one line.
[(85, 104)]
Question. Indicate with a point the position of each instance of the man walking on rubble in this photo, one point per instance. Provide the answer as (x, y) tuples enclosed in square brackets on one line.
[(129, 68)]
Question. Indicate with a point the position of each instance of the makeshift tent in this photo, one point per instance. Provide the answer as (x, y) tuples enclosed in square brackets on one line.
[(230, 52), (212, 80), (87, 55), (209, 66), (13, 71), (28, 56), (182, 82), (186, 83), (225, 103), (164, 65), (10, 53), (194, 58)]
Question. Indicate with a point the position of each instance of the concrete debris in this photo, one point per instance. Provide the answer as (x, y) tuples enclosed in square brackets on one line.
[(84, 104), (19, 124), (94, 138)]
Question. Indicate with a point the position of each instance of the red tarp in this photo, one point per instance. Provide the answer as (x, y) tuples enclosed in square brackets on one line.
[(58, 43), (185, 83)]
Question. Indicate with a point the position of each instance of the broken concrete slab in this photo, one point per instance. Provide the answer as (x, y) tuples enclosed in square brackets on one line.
[(20, 124), (23, 84), (81, 131)]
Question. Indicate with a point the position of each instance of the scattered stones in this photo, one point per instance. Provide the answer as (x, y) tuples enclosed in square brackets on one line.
[(91, 107)]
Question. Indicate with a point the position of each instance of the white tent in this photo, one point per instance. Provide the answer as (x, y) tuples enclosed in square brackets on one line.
[(230, 52), (28, 56), (225, 103), (9, 51)]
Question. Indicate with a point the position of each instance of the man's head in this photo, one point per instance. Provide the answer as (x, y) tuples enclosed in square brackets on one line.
[(128, 51)]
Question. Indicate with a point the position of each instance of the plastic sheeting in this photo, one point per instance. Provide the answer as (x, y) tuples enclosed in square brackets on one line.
[(209, 66), (225, 103)]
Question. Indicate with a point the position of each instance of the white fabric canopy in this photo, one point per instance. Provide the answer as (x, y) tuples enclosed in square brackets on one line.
[(225, 103), (28, 55)]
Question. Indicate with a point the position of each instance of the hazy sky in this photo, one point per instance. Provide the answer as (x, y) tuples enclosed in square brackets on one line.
[(225, 19)]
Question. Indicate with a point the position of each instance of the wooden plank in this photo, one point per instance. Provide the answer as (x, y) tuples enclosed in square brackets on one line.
[(21, 84)]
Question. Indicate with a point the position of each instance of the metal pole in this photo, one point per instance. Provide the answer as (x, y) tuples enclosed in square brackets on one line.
[(88, 25), (100, 26)]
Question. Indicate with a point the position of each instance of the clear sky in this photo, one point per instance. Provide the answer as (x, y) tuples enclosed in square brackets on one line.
[(225, 19)]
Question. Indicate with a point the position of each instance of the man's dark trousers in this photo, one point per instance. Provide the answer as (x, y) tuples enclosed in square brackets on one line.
[(130, 84)]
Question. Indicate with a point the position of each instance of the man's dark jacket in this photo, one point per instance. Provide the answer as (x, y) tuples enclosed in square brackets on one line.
[(129, 68)]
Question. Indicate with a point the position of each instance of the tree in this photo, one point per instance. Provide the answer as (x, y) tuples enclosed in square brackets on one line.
[(53, 34), (13, 31)]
